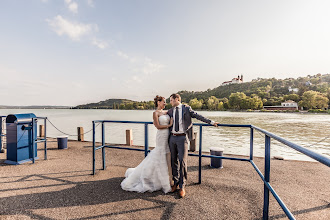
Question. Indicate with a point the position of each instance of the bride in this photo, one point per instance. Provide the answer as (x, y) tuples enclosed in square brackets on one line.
[(154, 172)]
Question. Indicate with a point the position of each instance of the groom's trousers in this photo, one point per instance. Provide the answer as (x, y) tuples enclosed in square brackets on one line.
[(179, 155)]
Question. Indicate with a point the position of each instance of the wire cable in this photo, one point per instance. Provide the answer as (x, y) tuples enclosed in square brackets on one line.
[(67, 133)]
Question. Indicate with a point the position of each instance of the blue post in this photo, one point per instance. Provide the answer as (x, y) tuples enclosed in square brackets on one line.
[(251, 143), (103, 148), (45, 123), (200, 155), (33, 147), (93, 148), (267, 177), (1, 135), (146, 140)]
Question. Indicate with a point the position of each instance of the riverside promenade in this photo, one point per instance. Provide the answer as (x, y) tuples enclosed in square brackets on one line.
[(62, 187)]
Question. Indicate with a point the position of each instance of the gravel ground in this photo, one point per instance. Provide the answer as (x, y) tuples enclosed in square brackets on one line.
[(62, 187)]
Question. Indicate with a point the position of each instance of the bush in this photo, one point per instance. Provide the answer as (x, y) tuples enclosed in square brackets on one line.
[(318, 111)]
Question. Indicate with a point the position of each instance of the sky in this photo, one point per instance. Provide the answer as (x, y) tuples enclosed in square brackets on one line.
[(71, 52)]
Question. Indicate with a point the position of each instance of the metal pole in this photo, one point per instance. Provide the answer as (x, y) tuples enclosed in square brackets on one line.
[(251, 143), (45, 123), (146, 140), (200, 155), (93, 148), (1, 135), (267, 177), (103, 148), (33, 147)]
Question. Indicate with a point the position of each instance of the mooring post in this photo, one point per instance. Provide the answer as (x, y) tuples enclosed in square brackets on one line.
[(192, 147), (129, 137), (80, 133), (267, 177), (41, 131)]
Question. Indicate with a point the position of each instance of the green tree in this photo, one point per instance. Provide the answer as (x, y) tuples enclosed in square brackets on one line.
[(212, 103), (312, 99), (122, 106), (294, 97), (129, 106), (220, 106), (196, 104), (235, 100)]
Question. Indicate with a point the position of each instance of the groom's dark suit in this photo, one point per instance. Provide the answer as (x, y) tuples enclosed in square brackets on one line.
[(179, 143)]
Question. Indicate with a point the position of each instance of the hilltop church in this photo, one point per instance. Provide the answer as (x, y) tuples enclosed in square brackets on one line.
[(234, 81)]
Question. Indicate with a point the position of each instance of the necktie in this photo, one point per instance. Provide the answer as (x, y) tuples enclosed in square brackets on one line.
[(176, 123)]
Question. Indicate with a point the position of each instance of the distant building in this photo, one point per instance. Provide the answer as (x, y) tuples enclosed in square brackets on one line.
[(293, 89), (234, 81), (308, 83), (287, 105)]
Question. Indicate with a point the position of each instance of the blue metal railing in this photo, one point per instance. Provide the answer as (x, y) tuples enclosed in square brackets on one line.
[(39, 140), (265, 178), (1, 133)]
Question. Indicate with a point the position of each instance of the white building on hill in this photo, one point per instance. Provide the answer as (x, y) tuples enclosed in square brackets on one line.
[(234, 81)]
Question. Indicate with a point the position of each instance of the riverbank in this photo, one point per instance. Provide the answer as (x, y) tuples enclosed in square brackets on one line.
[(62, 187)]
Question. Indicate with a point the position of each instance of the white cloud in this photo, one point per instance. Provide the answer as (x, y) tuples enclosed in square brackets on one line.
[(122, 55), (150, 67), (100, 43), (73, 30), (126, 57), (146, 66), (90, 3), (136, 79), (72, 6)]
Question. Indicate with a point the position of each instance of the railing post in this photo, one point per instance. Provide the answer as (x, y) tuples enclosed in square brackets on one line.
[(267, 177), (33, 147), (146, 147), (103, 148), (200, 155), (251, 143), (1, 135), (45, 145), (93, 148)]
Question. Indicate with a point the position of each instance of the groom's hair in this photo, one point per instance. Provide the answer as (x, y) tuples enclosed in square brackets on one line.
[(176, 95)]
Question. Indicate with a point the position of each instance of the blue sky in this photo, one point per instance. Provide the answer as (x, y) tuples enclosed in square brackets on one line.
[(70, 52)]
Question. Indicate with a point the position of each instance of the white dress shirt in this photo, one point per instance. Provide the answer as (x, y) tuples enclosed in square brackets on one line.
[(181, 131)]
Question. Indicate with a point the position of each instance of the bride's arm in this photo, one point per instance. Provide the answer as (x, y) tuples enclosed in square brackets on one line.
[(156, 122)]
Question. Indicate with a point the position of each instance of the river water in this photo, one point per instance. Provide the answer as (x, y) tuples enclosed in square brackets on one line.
[(302, 129)]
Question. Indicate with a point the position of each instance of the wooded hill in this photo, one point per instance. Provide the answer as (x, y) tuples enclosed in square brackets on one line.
[(107, 104), (311, 92), (270, 91)]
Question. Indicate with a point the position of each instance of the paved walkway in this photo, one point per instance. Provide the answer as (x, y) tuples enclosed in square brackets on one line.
[(63, 188)]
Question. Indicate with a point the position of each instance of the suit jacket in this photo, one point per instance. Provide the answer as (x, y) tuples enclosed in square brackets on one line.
[(187, 114)]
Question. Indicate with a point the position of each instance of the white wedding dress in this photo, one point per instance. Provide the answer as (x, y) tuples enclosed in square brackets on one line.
[(152, 173)]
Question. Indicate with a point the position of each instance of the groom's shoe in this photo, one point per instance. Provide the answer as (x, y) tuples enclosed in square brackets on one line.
[(174, 188), (182, 193)]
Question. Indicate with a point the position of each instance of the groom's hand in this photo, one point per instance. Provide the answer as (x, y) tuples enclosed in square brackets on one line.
[(215, 124)]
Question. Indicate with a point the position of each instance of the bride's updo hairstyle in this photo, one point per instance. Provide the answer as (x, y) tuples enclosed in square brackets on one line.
[(158, 99)]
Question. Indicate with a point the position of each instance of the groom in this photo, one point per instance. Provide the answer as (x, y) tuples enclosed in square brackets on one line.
[(180, 132)]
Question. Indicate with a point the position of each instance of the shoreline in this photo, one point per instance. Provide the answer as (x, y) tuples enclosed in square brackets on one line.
[(201, 110)]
